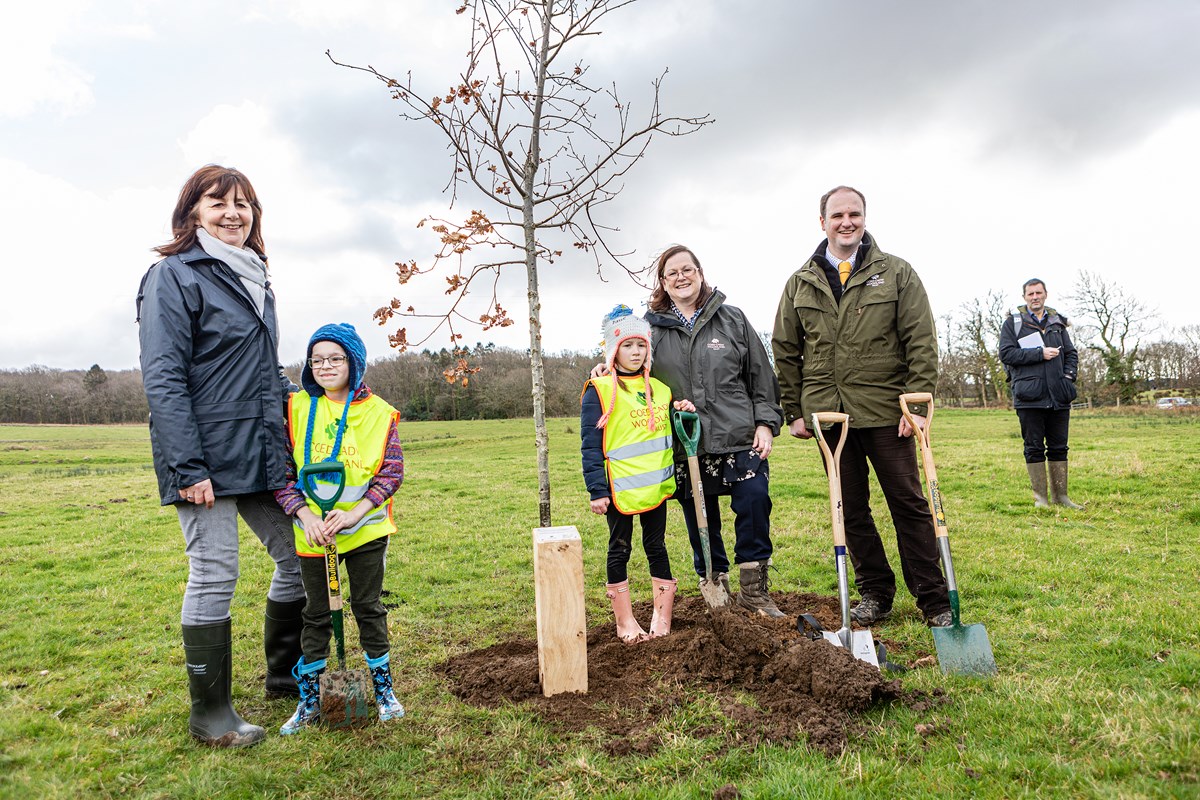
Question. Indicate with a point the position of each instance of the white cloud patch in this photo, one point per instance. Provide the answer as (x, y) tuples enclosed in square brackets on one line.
[(37, 75)]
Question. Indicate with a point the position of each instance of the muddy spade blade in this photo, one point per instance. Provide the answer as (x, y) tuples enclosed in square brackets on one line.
[(714, 593), (346, 697)]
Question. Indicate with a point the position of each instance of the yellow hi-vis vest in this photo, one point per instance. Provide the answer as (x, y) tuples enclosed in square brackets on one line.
[(639, 462), (363, 446)]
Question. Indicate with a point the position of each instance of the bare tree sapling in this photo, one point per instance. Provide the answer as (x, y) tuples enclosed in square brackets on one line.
[(539, 148)]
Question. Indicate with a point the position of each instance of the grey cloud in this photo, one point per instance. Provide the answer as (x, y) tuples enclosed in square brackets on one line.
[(1031, 76)]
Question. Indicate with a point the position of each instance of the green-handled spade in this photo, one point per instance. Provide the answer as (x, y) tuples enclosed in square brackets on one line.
[(711, 590), (345, 694)]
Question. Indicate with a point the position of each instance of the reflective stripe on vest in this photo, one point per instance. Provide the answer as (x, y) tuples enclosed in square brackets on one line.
[(639, 462), (363, 445)]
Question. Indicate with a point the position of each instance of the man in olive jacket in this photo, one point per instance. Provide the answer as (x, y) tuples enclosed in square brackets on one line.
[(853, 332)]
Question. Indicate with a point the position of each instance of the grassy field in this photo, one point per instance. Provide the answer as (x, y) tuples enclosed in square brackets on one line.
[(1092, 616)]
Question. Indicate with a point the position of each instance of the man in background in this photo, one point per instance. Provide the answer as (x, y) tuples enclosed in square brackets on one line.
[(1042, 363)]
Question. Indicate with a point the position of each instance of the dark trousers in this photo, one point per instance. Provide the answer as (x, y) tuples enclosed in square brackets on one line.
[(750, 501), (364, 567), (654, 542), (1045, 433), (895, 461)]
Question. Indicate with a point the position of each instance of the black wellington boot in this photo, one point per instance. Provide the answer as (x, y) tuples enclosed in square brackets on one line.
[(281, 642), (208, 650)]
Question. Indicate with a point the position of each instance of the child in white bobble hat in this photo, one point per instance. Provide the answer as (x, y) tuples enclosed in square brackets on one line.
[(628, 466)]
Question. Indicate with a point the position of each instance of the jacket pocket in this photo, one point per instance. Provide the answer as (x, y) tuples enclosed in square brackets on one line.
[(231, 436), (1028, 389)]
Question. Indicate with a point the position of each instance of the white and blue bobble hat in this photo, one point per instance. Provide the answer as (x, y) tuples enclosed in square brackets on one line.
[(621, 324)]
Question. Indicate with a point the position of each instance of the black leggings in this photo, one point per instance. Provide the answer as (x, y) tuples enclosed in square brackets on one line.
[(654, 542)]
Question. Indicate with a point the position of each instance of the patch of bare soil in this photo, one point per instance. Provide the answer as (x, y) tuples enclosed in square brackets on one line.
[(770, 681)]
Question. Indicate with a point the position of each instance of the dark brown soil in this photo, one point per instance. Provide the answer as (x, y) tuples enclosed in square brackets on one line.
[(771, 683)]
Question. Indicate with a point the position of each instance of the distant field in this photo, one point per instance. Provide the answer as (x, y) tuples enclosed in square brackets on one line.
[(1092, 617)]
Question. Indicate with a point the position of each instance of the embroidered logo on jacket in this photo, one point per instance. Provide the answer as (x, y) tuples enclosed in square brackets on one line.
[(875, 280), (716, 344)]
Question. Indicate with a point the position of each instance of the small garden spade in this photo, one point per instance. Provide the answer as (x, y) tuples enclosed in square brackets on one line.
[(711, 590), (345, 694), (961, 649)]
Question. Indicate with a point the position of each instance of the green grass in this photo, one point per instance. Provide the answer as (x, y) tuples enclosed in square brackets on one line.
[(1092, 616)]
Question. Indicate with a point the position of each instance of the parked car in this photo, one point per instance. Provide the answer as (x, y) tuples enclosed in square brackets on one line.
[(1172, 402)]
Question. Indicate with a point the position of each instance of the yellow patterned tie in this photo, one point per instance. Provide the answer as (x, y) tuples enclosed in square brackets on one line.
[(844, 271)]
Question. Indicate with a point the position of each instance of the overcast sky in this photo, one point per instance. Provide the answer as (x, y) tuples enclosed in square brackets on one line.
[(994, 141)]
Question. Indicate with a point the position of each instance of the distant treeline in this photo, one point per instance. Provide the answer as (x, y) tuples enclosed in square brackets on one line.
[(412, 382), (971, 375)]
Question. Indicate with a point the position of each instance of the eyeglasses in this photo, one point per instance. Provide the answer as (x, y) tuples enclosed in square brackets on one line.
[(686, 272), (333, 361)]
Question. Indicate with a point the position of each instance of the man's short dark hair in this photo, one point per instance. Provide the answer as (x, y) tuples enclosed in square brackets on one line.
[(825, 197), (1031, 282)]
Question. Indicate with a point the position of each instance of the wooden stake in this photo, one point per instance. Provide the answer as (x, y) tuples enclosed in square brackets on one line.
[(559, 598)]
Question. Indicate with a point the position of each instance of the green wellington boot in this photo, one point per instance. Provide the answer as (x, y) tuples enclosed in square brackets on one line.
[(208, 650)]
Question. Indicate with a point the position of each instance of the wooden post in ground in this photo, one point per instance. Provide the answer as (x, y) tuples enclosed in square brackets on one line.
[(561, 622)]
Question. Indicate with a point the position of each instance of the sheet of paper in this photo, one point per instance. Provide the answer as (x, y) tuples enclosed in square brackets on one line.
[(1032, 340)]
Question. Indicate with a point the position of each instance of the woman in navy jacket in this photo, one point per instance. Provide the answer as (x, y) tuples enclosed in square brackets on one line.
[(216, 393)]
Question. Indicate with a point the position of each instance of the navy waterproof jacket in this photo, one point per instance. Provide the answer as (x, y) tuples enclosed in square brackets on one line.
[(211, 372), (1035, 382)]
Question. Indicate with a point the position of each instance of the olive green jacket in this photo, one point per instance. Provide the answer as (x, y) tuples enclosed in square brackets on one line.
[(858, 356)]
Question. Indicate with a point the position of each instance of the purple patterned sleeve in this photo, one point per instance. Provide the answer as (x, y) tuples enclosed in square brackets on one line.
[(391, 472)]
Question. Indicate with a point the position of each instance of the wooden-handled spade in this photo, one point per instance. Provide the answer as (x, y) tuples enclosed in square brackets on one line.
[(961, 649), (861, 644)]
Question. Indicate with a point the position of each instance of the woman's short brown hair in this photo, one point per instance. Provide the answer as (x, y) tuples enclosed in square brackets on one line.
[(660, 301), (215, 180)]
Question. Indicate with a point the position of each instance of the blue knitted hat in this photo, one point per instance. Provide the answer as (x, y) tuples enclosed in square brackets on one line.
[(343, 335)]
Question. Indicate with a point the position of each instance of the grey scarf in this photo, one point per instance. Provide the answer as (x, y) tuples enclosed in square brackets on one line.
[(244, 262)]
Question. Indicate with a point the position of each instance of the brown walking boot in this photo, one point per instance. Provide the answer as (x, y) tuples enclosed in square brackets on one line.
[(753, 591)]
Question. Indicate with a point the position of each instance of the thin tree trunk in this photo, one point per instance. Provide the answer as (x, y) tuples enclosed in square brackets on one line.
[(537, 368)]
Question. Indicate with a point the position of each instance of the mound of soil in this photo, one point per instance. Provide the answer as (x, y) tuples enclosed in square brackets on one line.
[(771, 682)]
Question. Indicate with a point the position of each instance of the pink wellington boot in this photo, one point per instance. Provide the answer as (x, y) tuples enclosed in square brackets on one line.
[(664, 604), (628, 629)]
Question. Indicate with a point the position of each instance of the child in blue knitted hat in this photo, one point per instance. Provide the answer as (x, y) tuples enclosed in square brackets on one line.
[(628, 466), (337, 418)]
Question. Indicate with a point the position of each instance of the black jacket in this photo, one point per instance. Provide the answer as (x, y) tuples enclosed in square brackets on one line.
[(1037, 383), (211, 373), (721, 365)]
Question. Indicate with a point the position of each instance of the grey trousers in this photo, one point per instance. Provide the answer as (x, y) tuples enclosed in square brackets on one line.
[(210, 537)]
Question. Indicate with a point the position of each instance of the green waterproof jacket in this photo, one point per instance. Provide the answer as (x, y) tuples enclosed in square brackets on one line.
[(860, 355)]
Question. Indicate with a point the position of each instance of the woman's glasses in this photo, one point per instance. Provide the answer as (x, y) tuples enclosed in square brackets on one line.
[(686, 272)]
